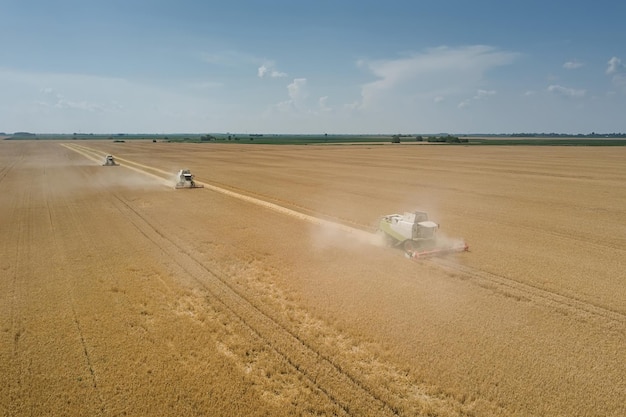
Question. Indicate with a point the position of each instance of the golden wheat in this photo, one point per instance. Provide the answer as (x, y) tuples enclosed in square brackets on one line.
[(122, 296)]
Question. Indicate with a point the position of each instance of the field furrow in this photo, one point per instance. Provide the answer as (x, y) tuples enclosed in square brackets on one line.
[(522, 290), (338, 384), (518, 290), (266, 292), (62, 215)]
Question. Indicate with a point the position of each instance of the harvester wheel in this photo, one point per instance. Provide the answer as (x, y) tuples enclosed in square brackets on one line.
[(409, 245)]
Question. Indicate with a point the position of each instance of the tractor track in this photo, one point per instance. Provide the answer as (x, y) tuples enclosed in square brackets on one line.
[(341, 387), (523, 291), (234, 192), (482, 278), (7, 168), (17, 327), (537, 230), (294, 206), (11, 284), (58, 244)]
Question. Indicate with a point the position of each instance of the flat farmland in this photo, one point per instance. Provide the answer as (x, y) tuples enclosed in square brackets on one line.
[(265, 293)]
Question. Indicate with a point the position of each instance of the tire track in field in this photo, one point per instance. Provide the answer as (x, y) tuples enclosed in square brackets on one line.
[(341, 386), (338, 384), (58, 244), (479, 277), (17, 248), (335, 220), (5, 169), (600, 244), (361, 234), (523, 291), (22, 233), (98, 156), (14, 161)]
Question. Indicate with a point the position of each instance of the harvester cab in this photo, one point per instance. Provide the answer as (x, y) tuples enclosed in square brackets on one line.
[(186, 180), (109, 161)]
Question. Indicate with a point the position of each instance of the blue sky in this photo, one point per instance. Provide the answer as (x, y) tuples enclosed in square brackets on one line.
[(279, 66)]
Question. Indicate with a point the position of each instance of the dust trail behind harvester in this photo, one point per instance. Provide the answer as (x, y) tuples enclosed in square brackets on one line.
[(116, 175), (328, 233)]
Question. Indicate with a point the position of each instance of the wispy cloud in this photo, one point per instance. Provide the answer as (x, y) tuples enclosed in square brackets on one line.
[(614, 65), (51, 98), (63, 102), (617, 71), (565, 91), (434, 74), (297, 90), (298, 93), (480, 94), (323, 106), (570, 65), (268, 70)]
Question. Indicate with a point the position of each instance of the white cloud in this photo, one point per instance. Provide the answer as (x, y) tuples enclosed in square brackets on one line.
[(297, 92), (484, 93), (64, 102), (53, 99), (615, 65), (565, 91), (297, 89), (323, 104), (268, 70), (618, 72), (480, 95), (572, 65), (437, 72), (262, 71), (619, 80)]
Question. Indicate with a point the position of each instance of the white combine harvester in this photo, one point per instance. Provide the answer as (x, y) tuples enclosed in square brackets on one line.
[(185, 180), (417, 235), (109, 161)]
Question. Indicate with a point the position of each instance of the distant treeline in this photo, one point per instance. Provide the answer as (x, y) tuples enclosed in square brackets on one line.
[(565, 135), (530, 139)]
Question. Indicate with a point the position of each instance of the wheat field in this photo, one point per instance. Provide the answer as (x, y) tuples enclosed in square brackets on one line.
[(264, 293)]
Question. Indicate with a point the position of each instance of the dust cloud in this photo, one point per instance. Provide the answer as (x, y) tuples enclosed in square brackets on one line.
[(334, 235), (128, 179)]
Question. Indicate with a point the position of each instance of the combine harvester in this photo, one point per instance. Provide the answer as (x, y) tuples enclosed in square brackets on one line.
[(109, 161), (417, 235), (185, 180)]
